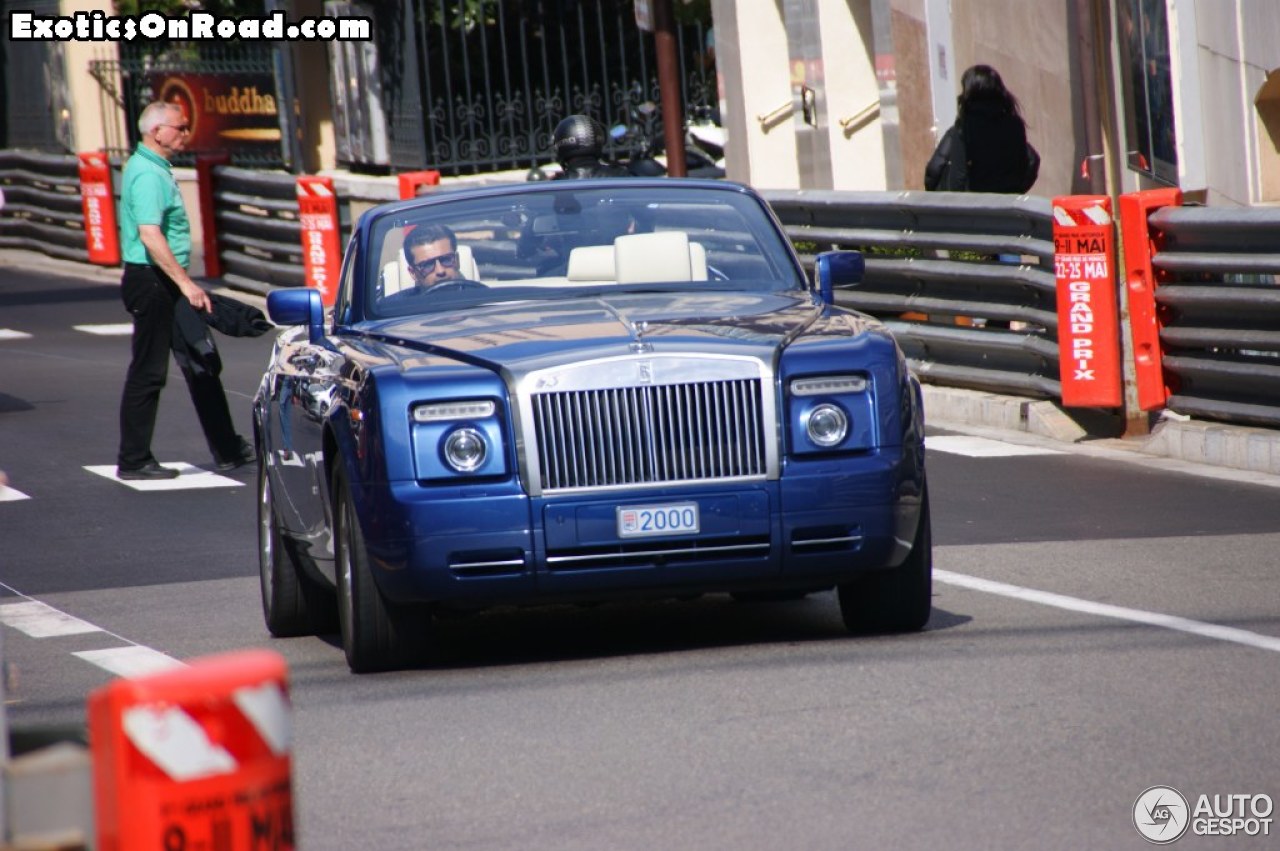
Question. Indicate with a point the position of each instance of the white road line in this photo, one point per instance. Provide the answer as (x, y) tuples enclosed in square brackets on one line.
[(982, 447), (40, 620), (132, 661), (120, 329), (1075, 604), (189, 477), (8, 494), (10, 334)]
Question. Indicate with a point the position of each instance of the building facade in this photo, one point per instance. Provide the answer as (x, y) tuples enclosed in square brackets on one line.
[(841, 94), (1118, 95)]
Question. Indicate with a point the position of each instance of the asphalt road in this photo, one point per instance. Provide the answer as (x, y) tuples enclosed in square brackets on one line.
[(1101, 625)]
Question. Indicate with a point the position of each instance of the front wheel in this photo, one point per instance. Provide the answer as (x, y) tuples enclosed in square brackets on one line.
[(377, 635), (292, 604), (896, 600)]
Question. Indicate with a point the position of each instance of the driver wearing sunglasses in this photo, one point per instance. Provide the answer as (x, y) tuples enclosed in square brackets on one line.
[(432, 252)]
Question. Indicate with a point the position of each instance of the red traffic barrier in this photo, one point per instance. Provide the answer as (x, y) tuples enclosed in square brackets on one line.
[(205, 181), (1088, 315), (412, 182), (321, 255), (1140, 279), (197, 757), (102, 235)]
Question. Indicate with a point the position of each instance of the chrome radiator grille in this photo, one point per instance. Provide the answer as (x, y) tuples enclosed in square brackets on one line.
[(650, 434)]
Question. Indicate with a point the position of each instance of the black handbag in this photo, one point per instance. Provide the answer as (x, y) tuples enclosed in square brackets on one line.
[(948, 168)]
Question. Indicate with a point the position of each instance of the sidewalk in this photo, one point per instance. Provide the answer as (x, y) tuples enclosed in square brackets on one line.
[(1243, 448), (1233, 447)]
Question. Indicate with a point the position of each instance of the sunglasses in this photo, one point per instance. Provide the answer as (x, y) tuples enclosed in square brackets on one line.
[(426, 267), (181, 128)]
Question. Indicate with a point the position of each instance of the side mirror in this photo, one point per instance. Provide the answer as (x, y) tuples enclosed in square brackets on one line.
[(838, 269), (301, 306)]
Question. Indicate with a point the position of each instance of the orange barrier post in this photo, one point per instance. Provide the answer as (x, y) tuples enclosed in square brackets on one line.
[(195, 758), (411, 182), (205, 164), (1140, 279), (321, 256), (1088, 313), (102, 235)]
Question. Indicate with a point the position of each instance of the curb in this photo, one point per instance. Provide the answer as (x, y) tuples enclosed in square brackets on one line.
[(1253, 450), (21, 258), (26, 259), (1239, 447), (971, 407)]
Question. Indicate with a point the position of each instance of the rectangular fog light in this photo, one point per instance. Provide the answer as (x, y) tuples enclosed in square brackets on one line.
[(435, 412), (831, 385)]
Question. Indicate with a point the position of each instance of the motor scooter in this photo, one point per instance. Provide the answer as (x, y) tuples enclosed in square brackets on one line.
[(704, 144)]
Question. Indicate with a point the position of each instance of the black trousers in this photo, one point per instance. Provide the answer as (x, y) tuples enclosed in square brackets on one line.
[(149, 295)]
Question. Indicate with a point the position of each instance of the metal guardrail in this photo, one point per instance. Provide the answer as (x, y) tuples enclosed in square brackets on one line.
[(43, 209), (1218, 307), (964, 281), (259, 232)]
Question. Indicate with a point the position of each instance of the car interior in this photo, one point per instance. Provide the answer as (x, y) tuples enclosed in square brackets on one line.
[(577, 240)]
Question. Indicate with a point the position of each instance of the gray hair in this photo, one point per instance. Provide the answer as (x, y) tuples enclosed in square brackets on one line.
[(154, 114)]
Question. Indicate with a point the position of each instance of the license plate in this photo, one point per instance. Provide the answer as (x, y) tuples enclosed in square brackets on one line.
[(640, 521)]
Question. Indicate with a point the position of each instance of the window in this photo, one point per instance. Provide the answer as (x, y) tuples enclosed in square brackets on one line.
[(1148, 89)]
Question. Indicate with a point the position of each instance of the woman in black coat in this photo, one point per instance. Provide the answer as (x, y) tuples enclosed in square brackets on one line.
[(986, 150)]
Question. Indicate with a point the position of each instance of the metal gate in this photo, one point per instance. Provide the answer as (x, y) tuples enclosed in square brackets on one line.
[(478, 86), (36, 110), (228, 91)]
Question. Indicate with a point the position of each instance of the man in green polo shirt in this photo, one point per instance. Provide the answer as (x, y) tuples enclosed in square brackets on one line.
[(156, 241)]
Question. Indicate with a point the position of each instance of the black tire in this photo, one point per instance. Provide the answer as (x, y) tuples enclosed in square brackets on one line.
[(376, 635), (292, 604), (897, 600)]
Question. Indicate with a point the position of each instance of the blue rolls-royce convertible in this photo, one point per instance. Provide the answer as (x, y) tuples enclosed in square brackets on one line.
[(582, 390)]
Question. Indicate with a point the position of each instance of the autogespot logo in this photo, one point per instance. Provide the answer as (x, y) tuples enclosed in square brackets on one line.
[(1161, 815)]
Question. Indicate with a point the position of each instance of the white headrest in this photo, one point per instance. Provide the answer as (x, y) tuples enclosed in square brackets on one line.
[(591, 263), (653, 257), (467, 267), (698, 261)]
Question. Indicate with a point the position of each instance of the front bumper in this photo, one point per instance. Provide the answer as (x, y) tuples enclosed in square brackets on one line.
[(820, 523)]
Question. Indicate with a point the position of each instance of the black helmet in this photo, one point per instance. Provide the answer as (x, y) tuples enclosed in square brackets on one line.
[(578, 136)]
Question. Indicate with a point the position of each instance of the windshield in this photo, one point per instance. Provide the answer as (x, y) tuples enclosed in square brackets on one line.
[(572, 242)]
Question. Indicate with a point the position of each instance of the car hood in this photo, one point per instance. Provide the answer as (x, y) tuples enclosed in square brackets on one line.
[(528, 335)]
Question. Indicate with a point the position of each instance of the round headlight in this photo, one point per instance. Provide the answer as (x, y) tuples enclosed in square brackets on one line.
[(827, 426), (465, 450)]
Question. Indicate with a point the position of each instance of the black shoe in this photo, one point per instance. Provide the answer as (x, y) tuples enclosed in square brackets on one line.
[(244, 455), (149, 472)]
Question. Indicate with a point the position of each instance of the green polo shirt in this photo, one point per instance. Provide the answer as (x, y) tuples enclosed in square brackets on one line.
[(149, 195)]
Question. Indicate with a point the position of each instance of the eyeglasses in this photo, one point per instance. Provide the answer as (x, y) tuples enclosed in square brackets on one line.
[(181, 128), (426, 267)]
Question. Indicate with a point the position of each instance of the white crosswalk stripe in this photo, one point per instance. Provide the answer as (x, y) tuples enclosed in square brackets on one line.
[(982, 447), (40, 620), (132, 661), (8, 494), (10, 334), (119, 329), (189, 477)]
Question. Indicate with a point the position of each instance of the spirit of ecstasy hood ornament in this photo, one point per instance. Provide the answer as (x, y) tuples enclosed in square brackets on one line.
[(640, 345)]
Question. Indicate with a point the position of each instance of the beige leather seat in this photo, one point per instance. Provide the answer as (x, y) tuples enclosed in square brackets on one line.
[(396, 275), (591, 263), (660, 257)]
